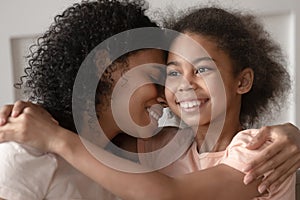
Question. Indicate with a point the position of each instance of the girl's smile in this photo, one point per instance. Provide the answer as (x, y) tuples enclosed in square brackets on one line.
[(205, 91)]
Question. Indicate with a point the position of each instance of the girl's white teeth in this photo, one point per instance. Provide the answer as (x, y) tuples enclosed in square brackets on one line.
[(153, 114), (190, 104)]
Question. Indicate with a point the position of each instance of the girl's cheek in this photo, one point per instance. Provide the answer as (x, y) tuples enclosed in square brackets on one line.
[(171, 86), (169, 95)]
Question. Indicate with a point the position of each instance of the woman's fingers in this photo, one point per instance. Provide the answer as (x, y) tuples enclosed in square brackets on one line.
[(19, 107), (279, 161), (31, 127), (12, 110), (281, 173), (285, 142), (7, 131), (260, 138), (5, 112), (265, 159)]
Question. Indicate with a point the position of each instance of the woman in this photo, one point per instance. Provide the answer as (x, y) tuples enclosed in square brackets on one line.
[(74, 151), (53, 66)]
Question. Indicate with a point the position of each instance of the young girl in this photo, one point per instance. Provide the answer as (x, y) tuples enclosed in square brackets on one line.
[(27, 173), (240, 77)]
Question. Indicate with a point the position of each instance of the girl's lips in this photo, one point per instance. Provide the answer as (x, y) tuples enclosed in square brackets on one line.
[(192, 105)]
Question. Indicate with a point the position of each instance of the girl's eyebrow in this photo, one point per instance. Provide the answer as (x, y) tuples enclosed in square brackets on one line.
[(203, 59), (176, 63)]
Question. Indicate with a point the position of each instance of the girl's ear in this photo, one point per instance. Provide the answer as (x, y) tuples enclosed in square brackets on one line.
[(245, 81)]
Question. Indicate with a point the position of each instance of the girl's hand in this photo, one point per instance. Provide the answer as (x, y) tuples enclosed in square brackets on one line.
[(282, 155), (33, 126)]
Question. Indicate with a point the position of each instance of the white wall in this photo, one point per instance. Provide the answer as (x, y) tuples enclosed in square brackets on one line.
[(32, 17), (282, 19), (19, 19)]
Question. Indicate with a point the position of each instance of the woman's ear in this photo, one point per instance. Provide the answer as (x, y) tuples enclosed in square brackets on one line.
[(245, 81), (102, 60)]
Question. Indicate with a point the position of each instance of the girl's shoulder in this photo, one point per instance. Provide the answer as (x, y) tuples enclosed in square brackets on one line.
[(244, 136)]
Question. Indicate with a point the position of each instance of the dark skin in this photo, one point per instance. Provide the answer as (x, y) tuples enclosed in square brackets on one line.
[(151, 185), (283, 154)]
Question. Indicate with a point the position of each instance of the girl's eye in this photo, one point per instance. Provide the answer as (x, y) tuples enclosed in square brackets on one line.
[(173, 73), (201, 70)]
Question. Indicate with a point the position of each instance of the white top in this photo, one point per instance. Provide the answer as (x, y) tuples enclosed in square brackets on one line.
[(27, 174), (170, 119)]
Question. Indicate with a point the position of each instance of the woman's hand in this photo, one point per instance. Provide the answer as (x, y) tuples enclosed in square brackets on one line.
[(14, 110), (32, 125), (282, 155)]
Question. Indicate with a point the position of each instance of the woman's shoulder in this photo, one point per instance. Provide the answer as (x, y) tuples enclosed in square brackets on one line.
[(13, 148), (25, 171)]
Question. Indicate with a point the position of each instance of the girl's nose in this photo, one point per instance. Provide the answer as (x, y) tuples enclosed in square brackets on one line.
[(186, 84)]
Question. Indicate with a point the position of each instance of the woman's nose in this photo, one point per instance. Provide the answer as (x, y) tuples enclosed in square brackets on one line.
[(162, 101), (161, 96)]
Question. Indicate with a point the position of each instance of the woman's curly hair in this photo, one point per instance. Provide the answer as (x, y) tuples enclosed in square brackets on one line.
[(243, 38), (57, 56)]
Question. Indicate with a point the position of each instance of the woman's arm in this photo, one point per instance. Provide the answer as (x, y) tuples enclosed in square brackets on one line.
[(282, 155), (153, 185), (16, 109)]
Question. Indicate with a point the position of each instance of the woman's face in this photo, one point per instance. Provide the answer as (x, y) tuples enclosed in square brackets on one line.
[(204, 89), (134, 108)]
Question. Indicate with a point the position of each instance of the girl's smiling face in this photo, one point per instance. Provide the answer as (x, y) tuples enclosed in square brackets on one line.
[(204, 90)]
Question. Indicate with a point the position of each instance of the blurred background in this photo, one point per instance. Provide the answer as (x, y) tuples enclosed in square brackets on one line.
[(22, 22)]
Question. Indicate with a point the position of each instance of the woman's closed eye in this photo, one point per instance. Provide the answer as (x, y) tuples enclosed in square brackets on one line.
[(157, 78), (158, 75)]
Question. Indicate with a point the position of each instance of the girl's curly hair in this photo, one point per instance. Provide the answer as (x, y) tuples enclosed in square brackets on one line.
[(243, 38), (56, 57)]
